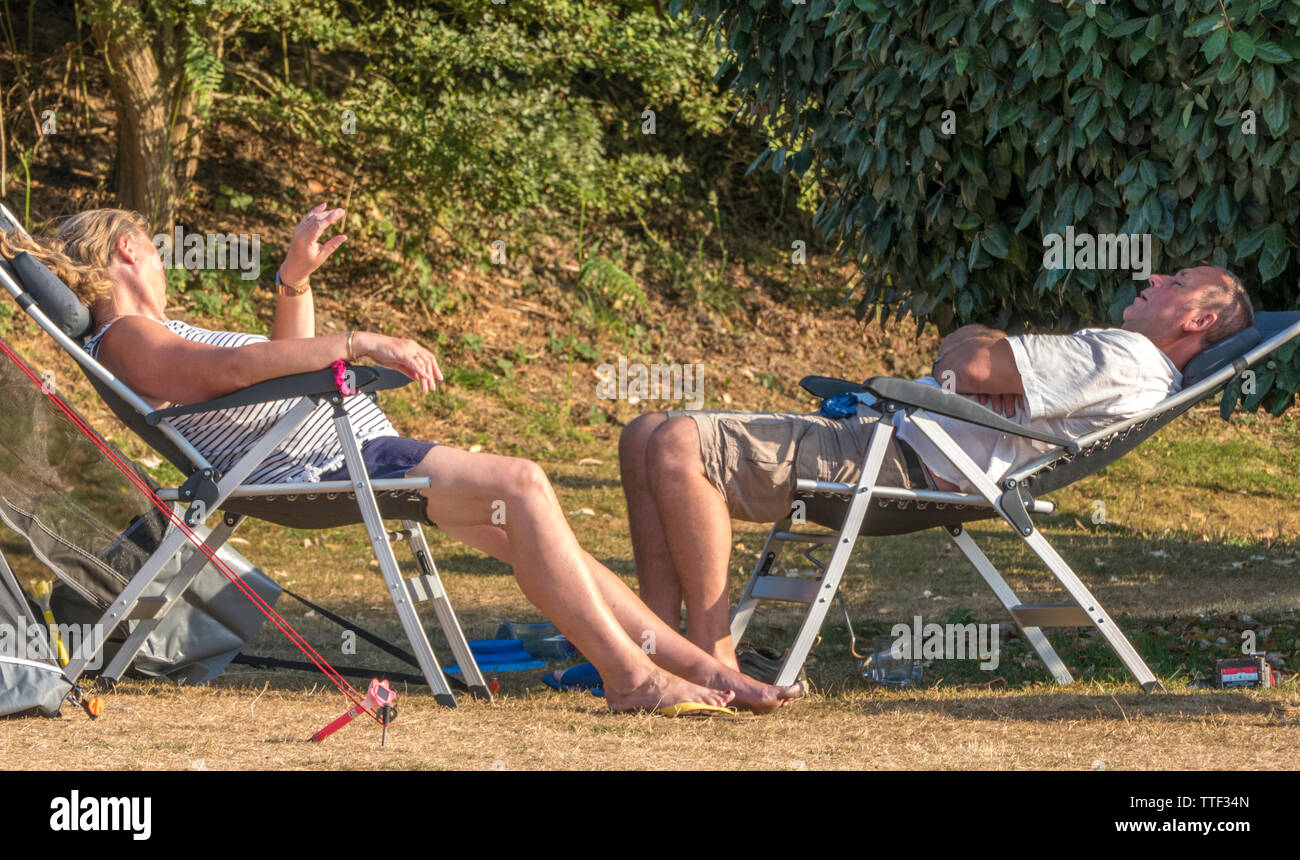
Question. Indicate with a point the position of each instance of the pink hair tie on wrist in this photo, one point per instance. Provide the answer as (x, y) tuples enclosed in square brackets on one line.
[(341, 378)]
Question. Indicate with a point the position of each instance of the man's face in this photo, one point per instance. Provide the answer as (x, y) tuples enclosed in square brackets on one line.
[(1169, 301)]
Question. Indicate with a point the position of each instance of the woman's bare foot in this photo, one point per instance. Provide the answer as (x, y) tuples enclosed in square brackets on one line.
[(654, 688), (753, 694)]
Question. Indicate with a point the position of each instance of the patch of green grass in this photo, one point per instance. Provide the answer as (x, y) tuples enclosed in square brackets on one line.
[(773, 382), (586, 350), (544, 426), (400, 405), (1211, 464), (473, 378)]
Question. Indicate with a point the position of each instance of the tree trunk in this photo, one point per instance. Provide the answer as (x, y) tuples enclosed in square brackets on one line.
[(160, 109), (141, 95)]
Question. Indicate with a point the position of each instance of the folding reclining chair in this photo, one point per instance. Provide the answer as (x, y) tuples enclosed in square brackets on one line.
[(865, 509), (324, 504)]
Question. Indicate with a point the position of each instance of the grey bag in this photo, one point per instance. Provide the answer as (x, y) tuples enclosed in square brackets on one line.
[(30, 678), (207, 629)]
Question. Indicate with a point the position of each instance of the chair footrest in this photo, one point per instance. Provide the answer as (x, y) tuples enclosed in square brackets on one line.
[(804, 537), (424, 587), (786, 588), (1050, 615)]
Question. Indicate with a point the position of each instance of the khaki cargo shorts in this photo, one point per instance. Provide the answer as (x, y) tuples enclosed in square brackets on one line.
[(754, 458)]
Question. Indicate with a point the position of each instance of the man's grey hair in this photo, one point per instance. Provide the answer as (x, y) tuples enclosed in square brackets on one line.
[(1229, 301)]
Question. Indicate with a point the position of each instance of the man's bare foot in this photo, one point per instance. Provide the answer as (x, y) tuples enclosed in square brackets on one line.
[(727, 657), (654, 688), (720, 648)]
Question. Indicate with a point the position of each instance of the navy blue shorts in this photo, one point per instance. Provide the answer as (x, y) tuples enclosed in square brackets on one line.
[(386, 457)]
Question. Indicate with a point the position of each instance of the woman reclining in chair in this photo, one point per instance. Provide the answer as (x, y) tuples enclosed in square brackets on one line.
[(108, 259)]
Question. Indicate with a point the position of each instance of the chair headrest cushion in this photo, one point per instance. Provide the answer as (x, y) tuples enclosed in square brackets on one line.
[(1207, 361), (52, 296)]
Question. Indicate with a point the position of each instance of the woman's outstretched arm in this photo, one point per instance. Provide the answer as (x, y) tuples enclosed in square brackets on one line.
[(163, 367), (295, 315)]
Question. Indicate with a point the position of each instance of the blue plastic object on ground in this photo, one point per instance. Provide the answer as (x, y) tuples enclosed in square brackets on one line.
[(581, 677), (499, 655), (541, 639)]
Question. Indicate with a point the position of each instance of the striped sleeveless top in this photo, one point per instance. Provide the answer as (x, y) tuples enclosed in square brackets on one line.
[(226, 435)]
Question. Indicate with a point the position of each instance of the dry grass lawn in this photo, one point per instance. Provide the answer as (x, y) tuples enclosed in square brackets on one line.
[(248, 726)]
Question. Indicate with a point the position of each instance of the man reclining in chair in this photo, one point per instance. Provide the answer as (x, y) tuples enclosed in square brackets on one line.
[(108, 259), (686, 474)]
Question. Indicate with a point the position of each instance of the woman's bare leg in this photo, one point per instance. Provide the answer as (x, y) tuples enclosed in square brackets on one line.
[(551, 569), (665, 646)]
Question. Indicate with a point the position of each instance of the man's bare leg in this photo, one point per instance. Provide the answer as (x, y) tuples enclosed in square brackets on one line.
[(670, 650), (551, 569), (655, 573), (697, 531)]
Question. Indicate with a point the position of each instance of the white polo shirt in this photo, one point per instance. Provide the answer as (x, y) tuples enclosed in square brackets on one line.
[(1074, 384)]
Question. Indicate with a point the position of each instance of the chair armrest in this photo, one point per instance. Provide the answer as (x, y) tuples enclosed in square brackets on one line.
[(314, 383), (941, 402)]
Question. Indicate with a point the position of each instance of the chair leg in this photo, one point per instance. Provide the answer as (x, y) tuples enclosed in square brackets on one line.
[(1101, 619), (1087, 609), (181, 581), (1035, 635), (478, 688), (820, 602), (415, 635), (120, 609)]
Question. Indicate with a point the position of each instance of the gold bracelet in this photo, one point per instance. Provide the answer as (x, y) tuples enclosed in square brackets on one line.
[(287, 289), (351, 357)]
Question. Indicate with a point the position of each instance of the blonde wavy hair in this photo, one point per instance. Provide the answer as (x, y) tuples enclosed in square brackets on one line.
[(79, 252)]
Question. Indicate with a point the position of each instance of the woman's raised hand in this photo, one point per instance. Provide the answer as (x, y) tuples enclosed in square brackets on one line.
[(305, 253), (402, 354)]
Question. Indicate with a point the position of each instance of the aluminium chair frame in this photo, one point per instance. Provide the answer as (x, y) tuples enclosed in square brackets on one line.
[(1012, 501), (206, 490)]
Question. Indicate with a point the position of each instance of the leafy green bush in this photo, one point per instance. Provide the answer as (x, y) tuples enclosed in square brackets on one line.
[(1127, 117)]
